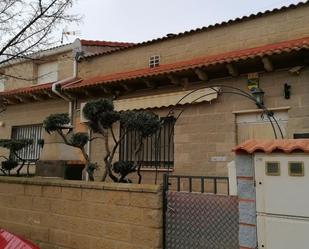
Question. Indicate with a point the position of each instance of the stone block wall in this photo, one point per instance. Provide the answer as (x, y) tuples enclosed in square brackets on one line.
[(28, 70), (209, 129), (266, 29), (78, 215), (28, 114)]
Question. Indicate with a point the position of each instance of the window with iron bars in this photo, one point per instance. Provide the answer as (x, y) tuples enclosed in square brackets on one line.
[(32, 152), (158, 149)]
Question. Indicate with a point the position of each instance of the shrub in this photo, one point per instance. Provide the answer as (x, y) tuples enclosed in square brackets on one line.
[(55, 122)]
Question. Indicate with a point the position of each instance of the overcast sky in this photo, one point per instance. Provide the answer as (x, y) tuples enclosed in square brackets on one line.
[(140, 20)]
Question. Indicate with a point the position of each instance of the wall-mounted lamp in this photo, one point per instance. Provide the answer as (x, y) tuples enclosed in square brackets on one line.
[(287, 91), (258, 94)]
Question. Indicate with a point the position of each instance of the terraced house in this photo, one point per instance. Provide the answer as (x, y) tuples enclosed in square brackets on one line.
[(213, 66)]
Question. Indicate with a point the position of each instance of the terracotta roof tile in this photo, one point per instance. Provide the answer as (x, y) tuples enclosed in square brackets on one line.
[(105, 43), (33, 89), (276, 48), (269, 146), (29, 89), (209, 27)]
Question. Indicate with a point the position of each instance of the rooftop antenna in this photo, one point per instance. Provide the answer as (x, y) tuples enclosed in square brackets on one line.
[(66, 33)]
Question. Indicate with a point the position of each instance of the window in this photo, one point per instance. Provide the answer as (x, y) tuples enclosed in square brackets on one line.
[(296, 169), (272, 168), (154, 61), (34, 132), (158, 150), (47, 72)]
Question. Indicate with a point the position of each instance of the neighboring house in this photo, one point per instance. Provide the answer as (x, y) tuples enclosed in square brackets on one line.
[(267, 49), (26, 85)]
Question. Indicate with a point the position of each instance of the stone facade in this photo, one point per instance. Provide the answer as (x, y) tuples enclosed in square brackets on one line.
[(28, 114), (205, 131), (27, 71), (266, 29), (76, 215)]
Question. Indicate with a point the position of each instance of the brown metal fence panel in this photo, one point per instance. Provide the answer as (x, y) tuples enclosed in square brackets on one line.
[(199, 221)]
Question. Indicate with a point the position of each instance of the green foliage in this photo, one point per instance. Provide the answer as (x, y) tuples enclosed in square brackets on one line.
[(100, 113), (95, 107), (15, 145), (4, 143), (79, 139), (123, 168), (56, 121), (92, 167), (9, 164), (41, 142), (145, 122), (101, 116)]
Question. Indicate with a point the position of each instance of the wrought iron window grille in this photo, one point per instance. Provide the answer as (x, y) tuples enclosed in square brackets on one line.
[(157, 151), (32, 152)]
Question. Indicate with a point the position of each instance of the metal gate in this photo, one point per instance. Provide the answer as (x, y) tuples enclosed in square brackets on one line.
[(199, 213)]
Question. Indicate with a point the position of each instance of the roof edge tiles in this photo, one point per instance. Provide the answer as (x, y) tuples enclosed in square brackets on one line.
[(35, 88), (201, 29), (105, 43), (270, 146), (276, 48), (65, 48)]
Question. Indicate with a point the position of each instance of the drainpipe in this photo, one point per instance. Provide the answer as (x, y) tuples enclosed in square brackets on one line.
[(70, 100), (55, 90)]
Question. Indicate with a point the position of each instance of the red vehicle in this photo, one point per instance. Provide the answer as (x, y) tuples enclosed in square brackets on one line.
[(12, 241)]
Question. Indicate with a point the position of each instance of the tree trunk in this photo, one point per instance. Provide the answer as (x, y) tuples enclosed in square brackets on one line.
[(139, 173), (20, 167), (86, 171), (90, 174), (139, 150), (108, 159)]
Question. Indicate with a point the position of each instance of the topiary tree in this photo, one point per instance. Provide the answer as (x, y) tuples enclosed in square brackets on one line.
[(60, 122), (102, 118), (14, 146), (144, 124)]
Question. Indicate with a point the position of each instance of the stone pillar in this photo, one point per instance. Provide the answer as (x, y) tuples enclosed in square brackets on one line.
[(247, 201)]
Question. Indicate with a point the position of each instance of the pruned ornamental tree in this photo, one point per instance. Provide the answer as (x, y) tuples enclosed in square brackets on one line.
[(102, 119), (13, 160), (59, 123)]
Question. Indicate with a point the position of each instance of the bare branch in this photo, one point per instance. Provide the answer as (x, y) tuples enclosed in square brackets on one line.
[(28, 26)]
